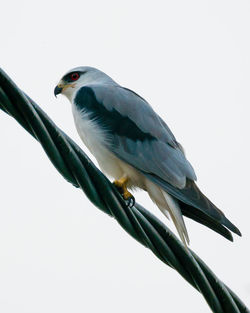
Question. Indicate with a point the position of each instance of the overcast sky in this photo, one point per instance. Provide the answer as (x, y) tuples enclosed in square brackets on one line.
[(190, 60)]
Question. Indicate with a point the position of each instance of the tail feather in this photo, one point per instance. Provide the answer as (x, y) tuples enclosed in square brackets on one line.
[(168, 206), (203, 210), (176, 216)]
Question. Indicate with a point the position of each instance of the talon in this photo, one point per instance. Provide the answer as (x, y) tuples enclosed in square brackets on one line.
[(127, 195), (121, 185), (130, 201)]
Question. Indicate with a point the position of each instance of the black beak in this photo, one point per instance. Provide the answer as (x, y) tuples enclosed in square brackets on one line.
[(57, 90)]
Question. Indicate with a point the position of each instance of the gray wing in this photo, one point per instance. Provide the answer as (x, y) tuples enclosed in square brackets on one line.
[(143, 140), (140, 137)]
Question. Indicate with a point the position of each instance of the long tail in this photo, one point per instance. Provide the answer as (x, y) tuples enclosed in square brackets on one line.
[(168, 206), (195, 205), (176, 216)]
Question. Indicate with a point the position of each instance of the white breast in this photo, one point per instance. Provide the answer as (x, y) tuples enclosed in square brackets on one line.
[(96, 140)]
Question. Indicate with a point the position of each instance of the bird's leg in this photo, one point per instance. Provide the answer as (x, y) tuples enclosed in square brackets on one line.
[(121, 185)]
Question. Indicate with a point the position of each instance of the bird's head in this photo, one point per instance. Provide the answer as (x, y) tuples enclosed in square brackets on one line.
[(78, 77)]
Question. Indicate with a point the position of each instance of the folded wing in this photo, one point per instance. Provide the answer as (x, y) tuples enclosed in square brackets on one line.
[(141, 138)]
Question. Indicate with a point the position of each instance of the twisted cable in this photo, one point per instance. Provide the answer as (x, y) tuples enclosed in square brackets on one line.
[(74, 165)]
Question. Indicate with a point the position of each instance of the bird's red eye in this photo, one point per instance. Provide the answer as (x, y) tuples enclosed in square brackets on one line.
[(74, 76)]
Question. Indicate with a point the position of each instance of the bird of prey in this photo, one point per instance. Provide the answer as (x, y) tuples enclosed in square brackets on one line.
[(134, 146)]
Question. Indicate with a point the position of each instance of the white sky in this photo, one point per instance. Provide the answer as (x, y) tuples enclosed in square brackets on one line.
[(190, 60)]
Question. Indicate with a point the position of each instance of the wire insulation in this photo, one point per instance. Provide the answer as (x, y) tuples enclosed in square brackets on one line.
[(74, 165)]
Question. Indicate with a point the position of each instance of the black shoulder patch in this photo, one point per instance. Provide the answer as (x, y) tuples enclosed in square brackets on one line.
[(111, 121)]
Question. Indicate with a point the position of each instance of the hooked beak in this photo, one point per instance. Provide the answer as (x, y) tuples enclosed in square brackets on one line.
[(57, 90)]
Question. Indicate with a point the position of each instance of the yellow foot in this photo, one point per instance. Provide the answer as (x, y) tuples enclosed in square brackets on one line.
[(121, 185)]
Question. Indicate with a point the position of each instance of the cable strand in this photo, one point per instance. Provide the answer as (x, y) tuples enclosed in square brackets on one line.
[(77, 168)]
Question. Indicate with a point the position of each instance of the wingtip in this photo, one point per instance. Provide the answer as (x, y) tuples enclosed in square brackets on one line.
[(231, 227), (206, 220), (238, 232), (230, 237)]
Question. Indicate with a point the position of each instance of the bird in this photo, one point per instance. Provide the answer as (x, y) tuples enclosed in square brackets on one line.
[(134, 146)]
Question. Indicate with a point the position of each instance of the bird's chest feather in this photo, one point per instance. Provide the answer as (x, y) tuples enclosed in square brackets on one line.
[(88, 129), (96, 140)]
